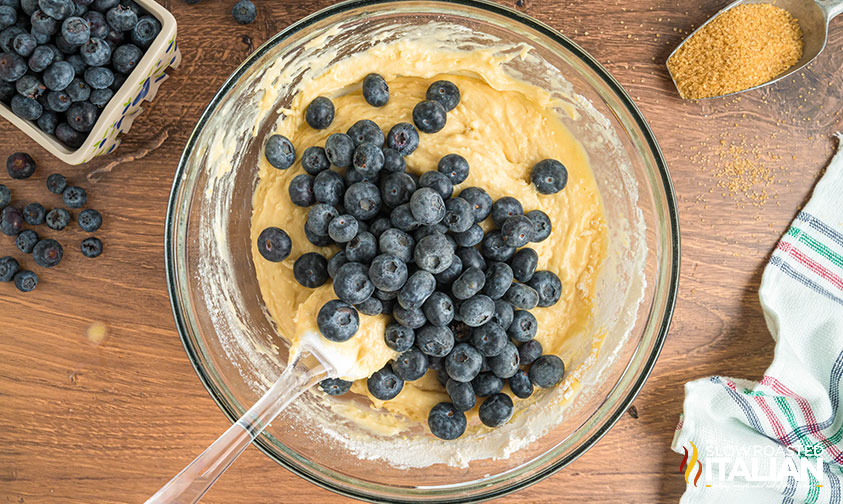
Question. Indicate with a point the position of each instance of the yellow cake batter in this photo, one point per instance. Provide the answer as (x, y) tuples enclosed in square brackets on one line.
[(502, 126)]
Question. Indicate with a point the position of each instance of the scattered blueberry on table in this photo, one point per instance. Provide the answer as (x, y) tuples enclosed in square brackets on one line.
[(460, 295)]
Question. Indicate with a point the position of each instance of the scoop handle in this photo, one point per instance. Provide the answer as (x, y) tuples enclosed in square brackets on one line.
[(831, 7), (193, 481)]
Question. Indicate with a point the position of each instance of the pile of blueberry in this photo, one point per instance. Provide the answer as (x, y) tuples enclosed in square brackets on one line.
[(45, 252), (61, 61), (410, 248)]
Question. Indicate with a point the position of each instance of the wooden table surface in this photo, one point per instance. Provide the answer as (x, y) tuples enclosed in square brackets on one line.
[(111, 422)]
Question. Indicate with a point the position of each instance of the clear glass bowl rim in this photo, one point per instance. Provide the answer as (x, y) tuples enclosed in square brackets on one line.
[(613, 85)]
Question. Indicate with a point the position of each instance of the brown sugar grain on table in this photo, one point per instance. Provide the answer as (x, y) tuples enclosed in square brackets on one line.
[(90, 417), (744, 47)]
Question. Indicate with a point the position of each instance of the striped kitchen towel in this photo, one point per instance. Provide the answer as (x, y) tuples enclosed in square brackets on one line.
[(781, 439)]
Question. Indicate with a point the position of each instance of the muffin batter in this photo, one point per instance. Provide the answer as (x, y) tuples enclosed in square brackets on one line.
[(502, 126)]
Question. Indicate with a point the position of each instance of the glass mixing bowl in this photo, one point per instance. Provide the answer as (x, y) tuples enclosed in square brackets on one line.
[(234, 345)]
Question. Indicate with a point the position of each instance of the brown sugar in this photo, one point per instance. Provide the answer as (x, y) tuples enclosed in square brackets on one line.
[(744, 47)]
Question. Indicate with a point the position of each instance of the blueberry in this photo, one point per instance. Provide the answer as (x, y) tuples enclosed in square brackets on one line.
[(69, 136), (427, 206), (7, 91), (378, 226), (522, 296), (489, 339), (411, 365), (342, 228), (404, 138), (352, 284), (368, 159), (26, 108), (486, 384), (8, 16), (57, 9), (5, 196), (100, 97), (318, 218), (48, 122), (503, 314), (26, 241), (470, 237), (366, 131), (335, 386), (524, 326), (7, 36), (375, 90), (393, 162), (505, 208), (462, 332), (89, 220), (549, 176), (423, 231), (548, 286), (446, 421), (498, 279), (455, 167), (471, 258), (418, 287), (529, 351), (58, 75), (434, 253), (496, 410), (402, 218), (47, 253), (95, 52), (388, 273), (339, 148), (396, 189), (337, 321), (318, 240), (11, 221), (372, 307), (517, 231), (398, 337), (328, 188), (438, 182), (480, 201), (459, 218), (145, 31), (477, 310), (385, 384), (409, 317), (114, 39), (439, 309), (8, 267), (41, 58), (311, 270), (495, 249), (91, 247), (435, 340), (397, 243), (320, 113), (279, 151), (99, 77), (57, 219), (335, 262), (451, 273), (463, 363), (24, 44), (96, 24), (76, 30), (20, 165), (28, 6), (30, 86), (547, 371), (26, 280), (104, 5), (301, 190), (274, 244), (429, 116), (444, 92), (314, 160), (506, 363), (74, 197), (362, 248), (40, 38), (34, 213), (469, 283), (58, 101), (524, 264), (244, 12), (126, 57), (82, 116)]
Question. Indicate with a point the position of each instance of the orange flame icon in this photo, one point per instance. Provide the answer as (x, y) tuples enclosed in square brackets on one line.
[(688, 466)]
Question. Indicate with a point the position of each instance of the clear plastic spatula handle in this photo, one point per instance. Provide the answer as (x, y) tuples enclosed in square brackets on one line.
[(193, 481)]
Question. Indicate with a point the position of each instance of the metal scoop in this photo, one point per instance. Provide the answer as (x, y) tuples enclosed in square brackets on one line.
[(813, 17)]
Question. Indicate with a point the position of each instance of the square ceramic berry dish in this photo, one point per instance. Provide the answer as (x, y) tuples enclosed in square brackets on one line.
[(75, 73)]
